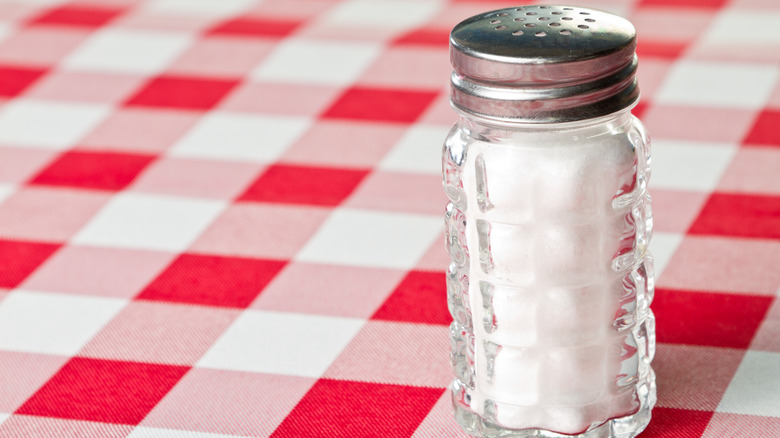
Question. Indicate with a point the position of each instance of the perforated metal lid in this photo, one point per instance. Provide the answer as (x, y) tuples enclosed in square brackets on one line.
[(543, 64)]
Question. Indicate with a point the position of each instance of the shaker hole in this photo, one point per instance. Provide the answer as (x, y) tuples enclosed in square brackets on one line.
[(565, 32), (555, 24), (541, 34), (590, 20), (584, 13), (567, 18), (517, 32), (503, 14), (544, 18), (502, 27), (530, 13), (519, 19), (582, 26), (556, 12), (544, 7), (568, 9), (530, 25), (495, 21)]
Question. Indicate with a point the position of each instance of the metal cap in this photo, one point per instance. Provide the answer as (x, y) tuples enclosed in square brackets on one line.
[(543, 64)]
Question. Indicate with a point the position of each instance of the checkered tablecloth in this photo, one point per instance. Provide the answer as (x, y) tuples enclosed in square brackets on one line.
[(224, 218)]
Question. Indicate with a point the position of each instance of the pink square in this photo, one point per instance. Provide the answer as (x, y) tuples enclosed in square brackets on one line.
[(410, 68), (37, 426), (723, 125), (280, 98), (753, 170), (741, 426), (193, 177), (651, 74), (774, 98), (406, 192), (18, 11), (140, 130), (261, 230), (291, 9), (664, 23), (396, 353), (674, 211), (229, 402), (436, 258), (85, 86), (768, 336), (221, 57), (319, 29), (724, 264), (19, 164), (439, 112), (49, 214), (160, 333), (440, 421), (140, 19), (328, 290), (40, 46), (325, 144), (23, 374), (108, 272)]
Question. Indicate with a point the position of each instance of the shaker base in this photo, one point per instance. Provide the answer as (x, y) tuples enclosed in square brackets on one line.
[(624, 427)]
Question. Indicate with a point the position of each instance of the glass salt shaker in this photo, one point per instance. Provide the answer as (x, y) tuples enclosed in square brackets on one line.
[(547, 228)]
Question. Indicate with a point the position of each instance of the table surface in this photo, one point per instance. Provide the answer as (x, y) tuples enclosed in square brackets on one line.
[(225, 218)]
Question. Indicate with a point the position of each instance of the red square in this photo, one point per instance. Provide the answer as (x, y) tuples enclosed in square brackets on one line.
[(93, 170), (426, 37), (212, 281), (727, 214), (256, 27), (346, 409), (103, 390), (20, 259), (82, 16), (421, 298), (766, 129), (714, 4), (182, 92), (658, 49), (304, 185), (384, 105), (677, 423), (702, 318), (13, 80)]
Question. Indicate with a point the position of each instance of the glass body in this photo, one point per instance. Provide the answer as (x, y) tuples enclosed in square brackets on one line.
[(550, 280)]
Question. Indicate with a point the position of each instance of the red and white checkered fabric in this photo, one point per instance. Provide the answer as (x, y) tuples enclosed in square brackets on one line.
[(223, 218)]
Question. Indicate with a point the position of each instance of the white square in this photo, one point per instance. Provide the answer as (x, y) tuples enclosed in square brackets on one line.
[(128, 51), (48, 125), (419, 150), (755, 388), (143, 221), (153, 432), (370, 238), (317, 62), (51, 323), (683, 165), (281, 343), (394, 14), (723, 84), (761, 28), (6, 190), (212, 8), (663, 246), (240, 137)]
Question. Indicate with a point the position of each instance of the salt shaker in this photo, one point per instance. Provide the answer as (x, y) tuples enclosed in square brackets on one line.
[(550, 280)]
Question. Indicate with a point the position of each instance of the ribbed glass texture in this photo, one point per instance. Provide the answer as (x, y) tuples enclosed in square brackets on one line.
[(550, 280)]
